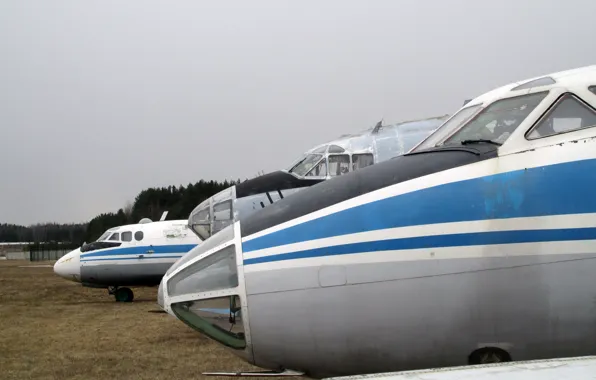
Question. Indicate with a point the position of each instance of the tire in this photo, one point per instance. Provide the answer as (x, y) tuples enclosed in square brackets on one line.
[(124, 295)]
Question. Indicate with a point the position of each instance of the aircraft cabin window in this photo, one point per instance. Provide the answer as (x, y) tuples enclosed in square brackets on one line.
[(139, 235), (360, 161), (568, 114), (339, 164), (127, 236), (115, 237), (320, 170)]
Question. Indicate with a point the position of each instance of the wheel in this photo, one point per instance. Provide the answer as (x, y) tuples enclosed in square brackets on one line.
[(488, 355), (123, 295)]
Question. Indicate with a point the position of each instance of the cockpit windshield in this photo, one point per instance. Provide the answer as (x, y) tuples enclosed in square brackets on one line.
[(494, 123), (307, 163), (104, 236), (497, 121)]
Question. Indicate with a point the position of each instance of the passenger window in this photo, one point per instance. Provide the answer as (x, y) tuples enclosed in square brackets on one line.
[(569, 114), (339, 164), (115, 237), (127, 236), (360, 161), (139, 235), (319, 171)]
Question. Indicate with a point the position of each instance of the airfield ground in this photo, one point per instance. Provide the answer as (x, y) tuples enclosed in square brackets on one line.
[(51, 328)]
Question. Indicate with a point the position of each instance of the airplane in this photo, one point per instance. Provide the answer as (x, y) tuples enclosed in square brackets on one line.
[(136, 255), (476, 246)]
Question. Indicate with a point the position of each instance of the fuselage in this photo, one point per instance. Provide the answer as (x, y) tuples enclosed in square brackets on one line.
[(483, 237), (130, 255)]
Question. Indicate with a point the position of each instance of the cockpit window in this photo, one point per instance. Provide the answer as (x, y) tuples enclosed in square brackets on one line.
[(360, 161), (126, 236), (498, 121), (302, 167), (200, 223), (218, 318), (222, 215), (569, 114), (104, 236), (215, 272), (452, 124), (593, 89), (115, 237), (320, 170), (339, 164), (336, 149)]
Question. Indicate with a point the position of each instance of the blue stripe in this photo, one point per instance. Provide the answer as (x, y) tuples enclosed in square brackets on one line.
[(542, 191), (136, 250), (438, 241), (131, 258)]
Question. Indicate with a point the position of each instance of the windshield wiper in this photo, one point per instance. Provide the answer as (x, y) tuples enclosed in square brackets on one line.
[(473, 141)]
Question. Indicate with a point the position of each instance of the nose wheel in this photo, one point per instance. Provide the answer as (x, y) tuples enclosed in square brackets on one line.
[(121, 294)]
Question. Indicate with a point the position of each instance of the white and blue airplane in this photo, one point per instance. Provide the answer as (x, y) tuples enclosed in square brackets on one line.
[(134, 255), (476, 246)]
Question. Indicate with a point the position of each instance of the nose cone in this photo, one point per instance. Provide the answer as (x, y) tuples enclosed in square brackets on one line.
[(69, 266)]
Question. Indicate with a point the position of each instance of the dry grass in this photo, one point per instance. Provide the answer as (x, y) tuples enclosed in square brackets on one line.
[(55, 329)]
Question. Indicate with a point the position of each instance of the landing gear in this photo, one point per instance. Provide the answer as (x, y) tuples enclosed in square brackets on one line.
[(121, 294)]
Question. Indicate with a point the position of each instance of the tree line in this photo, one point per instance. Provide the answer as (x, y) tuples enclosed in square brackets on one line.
[(149, 203)]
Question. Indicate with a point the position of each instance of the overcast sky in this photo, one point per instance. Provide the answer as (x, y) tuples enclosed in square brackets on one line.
[(101, 99)]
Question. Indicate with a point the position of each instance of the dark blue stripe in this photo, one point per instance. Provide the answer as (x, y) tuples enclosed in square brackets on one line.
[(172, 248), (438, 241), (132, 258), (566, 188)]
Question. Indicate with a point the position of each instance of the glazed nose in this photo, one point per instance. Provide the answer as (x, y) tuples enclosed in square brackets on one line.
[(69, 266)]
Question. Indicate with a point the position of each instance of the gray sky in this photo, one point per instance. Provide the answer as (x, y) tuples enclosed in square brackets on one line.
[(101, 99)]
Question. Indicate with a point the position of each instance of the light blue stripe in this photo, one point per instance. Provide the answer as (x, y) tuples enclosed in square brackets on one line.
[(130, 258), (136, 250), (567, 188), (438, 241)]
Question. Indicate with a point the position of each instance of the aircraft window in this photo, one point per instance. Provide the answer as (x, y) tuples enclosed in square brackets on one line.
[(568, 114), (214, 272), (139, 235), (498, 121), (306, 164), (339, 164), (218, 318), (544, 81), (115, 237), (222, 215), (127, 236), (360, 161), (336, 149), (320, 170), (200, 223), (104, 236), (322, 149), (592, 88), (452, 124)]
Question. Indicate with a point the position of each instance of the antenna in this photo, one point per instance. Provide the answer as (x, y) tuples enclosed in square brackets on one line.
[(163, 216), (377, 127), (145, 220)]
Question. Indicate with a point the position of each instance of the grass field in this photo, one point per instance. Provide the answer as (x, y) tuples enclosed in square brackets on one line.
[(54, 329)]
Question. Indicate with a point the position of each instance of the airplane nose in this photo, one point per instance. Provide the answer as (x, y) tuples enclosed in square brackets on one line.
[(69, 266)]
